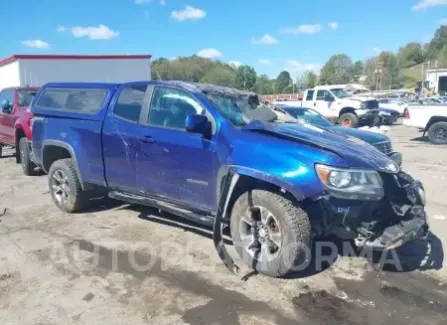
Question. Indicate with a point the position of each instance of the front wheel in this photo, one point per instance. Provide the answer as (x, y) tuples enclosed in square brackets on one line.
[(349, 120), (270, 233), (65, 186), (27, 165), (437, 133)]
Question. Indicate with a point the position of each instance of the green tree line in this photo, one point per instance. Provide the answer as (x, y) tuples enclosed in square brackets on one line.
[(384, 71)]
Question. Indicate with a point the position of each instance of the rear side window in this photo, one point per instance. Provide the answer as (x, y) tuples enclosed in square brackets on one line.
[(79, 100), (310, 95), (130, 102)]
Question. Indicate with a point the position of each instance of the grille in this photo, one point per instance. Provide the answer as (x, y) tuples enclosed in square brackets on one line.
[(372, 104), (384, 147)]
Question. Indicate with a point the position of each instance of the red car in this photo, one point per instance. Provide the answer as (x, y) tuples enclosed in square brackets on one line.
[(15, 123)]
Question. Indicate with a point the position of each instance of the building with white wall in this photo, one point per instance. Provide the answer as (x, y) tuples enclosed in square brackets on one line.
[(437, 79), (35, 70)]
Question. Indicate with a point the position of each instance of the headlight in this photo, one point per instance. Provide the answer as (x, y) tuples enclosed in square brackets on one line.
[(351, 184), (363, 105)]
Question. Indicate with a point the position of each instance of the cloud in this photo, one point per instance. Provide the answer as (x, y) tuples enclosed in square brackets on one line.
[(333, 25), (267, 39), (173, 58), (444, 22), (297, 68), (189, 13), (235, 64), (142, 2), (209, 53), (163, 2), (264, 61), (100, 32), (424, 4), (302, 29), (377, 50), (37, 44)]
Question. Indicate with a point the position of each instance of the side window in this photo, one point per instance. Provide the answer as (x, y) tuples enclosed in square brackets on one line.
[(130, 102), (321, 94), (310, 95), (79, 100), (170, 107), (7, 95), (383, 101)]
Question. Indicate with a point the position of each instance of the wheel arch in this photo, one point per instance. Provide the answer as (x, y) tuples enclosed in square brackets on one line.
[(435, 119), (54, 150), (250, 179), (347, 109)]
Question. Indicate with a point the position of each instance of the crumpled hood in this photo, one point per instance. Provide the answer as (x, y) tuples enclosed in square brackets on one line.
[(355, 153)]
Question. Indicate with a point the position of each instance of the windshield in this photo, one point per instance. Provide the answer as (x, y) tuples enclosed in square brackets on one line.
[(309, 116), (25, 97), (340, 93), (233, 107)]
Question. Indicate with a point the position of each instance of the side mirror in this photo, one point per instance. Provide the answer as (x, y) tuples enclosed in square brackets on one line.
[(6, 106), (196, 123)]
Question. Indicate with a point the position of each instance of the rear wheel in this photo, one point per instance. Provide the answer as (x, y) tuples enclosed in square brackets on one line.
[(349, 120), (270, 233), (27, 165), (437, 133), (65, 186)]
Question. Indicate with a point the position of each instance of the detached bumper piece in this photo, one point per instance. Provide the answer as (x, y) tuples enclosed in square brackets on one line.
[(408, 216), (397, 235)]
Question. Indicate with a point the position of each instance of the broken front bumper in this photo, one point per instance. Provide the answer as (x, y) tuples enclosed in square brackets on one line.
[(399, 217)]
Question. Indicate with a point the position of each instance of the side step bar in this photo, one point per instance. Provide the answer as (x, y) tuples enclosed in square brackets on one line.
[(202, 219)]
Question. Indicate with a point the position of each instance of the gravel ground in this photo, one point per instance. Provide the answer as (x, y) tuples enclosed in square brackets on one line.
[(122, 264)]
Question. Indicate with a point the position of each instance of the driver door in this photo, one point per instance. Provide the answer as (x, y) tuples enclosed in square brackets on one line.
[(6, 117), (174, 164), (323, 103)]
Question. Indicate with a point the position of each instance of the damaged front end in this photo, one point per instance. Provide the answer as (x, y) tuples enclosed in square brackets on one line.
[(400, 216)]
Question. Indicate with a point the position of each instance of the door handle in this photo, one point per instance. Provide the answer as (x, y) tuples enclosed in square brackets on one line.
[(147, 139), (315, 104)]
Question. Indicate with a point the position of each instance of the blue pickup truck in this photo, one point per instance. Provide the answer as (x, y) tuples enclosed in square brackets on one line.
[(207, 154)]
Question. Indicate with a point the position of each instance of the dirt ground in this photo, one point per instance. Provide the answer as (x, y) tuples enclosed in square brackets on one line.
[(122, 264)]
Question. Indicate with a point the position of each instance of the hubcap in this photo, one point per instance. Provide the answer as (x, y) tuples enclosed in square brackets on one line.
[(60, 186), (260, 234), (441, 134)]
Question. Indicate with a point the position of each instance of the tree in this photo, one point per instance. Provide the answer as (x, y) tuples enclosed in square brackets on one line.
[(282, 81), (442, 58), (245, 78), (309, 79), (337, 70), (437, 43), (410, 55), (264, 85), (220, 76), (357, 70), (391, 77)]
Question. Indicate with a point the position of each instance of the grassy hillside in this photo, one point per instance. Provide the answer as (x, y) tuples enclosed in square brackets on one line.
[(411, 75)]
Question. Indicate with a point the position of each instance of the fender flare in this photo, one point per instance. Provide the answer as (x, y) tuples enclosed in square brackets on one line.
[(69, 148), (434, 119), (254, 173)]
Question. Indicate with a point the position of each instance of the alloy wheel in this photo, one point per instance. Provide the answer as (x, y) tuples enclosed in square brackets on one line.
[(60, 186), (260, 234)]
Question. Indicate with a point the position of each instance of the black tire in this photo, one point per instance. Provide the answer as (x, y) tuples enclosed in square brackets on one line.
[(1, 150), (293, 226), (69, 198), (27, 165), (435, 131), (349, 120)]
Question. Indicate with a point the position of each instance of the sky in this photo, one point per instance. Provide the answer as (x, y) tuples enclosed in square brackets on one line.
[(290, 34)]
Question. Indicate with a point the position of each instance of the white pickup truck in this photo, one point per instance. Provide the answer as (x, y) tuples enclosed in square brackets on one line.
[(337, 105), (431, 119)]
